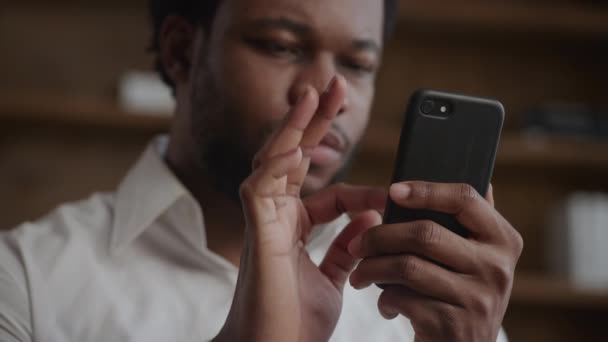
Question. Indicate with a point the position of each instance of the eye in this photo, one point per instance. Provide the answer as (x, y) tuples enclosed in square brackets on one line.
[(279, 49), (276, 48), (359, 67)]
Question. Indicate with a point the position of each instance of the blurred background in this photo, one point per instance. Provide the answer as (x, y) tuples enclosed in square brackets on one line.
[(77, 108)]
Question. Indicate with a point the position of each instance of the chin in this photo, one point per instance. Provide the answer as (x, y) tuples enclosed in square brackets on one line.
[(316, 179), (311, 185)]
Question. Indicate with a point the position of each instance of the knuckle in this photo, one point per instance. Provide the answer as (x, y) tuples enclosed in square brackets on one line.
[(425, 191), (428, 326), (481, 304), (410, 267), (518, 241), (245, 190), (502, 276), (467, 194), (520, 245), (450, 324), (427, 234)]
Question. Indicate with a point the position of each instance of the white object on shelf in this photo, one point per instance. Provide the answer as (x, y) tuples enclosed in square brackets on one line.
[(578, 242), (144, 93)]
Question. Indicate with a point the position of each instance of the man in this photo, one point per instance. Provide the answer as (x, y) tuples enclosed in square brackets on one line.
[(285, 86)]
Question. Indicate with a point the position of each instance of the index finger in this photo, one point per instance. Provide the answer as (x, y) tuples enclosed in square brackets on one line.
[(328, 204), (460, 200), (289, 136), (330, 104)]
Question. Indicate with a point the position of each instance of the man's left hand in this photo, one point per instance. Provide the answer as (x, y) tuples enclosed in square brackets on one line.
[(451, 288)]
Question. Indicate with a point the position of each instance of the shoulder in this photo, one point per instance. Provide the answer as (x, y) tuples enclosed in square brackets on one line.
[(37, 246), (32, 248), (14, 299), (89, 217), (78, 220)]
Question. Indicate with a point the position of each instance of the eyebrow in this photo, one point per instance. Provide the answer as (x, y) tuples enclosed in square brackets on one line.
[(302, 29), (282, 23)]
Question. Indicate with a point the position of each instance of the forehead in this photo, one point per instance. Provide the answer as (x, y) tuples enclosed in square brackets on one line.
[(356, 18)]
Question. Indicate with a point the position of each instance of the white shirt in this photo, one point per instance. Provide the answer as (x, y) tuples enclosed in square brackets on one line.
[(134, 266)]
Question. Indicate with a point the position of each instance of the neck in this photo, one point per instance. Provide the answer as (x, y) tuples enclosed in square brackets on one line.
[(224, 221)]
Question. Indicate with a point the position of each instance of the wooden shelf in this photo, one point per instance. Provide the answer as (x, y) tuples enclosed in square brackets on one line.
[(515, 150), (539, 290), (548, 152), (507, 17), (84, 112)]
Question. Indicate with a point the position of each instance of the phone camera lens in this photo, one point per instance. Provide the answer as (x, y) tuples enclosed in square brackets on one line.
[(427, 106)]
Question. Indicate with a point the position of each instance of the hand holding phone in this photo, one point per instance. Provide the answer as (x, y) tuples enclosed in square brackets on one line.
[(446, 138), (444, 257)]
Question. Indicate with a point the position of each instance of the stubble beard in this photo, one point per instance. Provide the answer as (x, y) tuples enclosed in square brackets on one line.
[(223, 154), (219, 137)]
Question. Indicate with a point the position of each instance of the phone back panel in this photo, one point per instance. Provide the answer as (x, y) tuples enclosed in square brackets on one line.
[(459, 148)]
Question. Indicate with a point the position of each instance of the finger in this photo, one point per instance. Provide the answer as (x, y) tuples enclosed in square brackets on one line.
[(296, 177), (417, 274), (490, 195), (428, 316), (426, 239), (461, 200), (289, 136), (267, 181), (270, 179), (338, 263), (329, 105), (329, 203)]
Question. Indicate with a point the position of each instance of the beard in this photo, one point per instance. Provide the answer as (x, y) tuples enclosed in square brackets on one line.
[(219, 137), (224, 148)]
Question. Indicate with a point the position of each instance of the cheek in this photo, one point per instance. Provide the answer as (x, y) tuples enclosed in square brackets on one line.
[(253, 87), (357, 118)]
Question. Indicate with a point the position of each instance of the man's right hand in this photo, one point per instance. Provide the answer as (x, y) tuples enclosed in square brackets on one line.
[(281, 295)]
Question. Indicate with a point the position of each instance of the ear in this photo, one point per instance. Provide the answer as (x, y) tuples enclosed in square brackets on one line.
[(176, 42)]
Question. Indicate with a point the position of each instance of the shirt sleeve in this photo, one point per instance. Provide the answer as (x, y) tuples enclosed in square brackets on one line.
[(15, 317)]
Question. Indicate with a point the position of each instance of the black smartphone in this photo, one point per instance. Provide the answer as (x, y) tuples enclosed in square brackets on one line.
[(446, 138)]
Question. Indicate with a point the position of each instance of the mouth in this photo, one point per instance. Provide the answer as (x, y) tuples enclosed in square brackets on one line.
[(331, 149)]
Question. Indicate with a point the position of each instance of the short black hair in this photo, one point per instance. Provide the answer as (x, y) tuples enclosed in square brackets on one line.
[(203, 12)]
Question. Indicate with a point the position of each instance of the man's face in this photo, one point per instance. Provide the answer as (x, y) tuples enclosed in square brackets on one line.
[(255, 62)]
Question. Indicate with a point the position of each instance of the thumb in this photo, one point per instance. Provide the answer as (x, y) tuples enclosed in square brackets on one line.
[(338, 262)]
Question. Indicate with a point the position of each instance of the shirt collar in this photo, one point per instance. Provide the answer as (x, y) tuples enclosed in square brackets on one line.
[(148, 191), (151, 191)]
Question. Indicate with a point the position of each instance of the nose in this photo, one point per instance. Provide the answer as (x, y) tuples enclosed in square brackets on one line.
[(318, 74)]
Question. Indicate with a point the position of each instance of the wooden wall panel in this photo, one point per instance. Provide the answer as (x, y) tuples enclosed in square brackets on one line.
[(79, 51), (42, 167)]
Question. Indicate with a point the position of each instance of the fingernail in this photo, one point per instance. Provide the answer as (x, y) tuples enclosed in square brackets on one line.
[(354, 247), (400, 191), (353, 281), (330, 85), (361, 286), (388, 312), (299, 152), (356, 284), (303, 95)]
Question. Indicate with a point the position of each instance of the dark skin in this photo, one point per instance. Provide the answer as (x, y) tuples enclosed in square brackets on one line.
[(275, 83)]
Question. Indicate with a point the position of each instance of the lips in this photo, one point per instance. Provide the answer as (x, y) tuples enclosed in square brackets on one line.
[(331, 149), (335, 141)]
